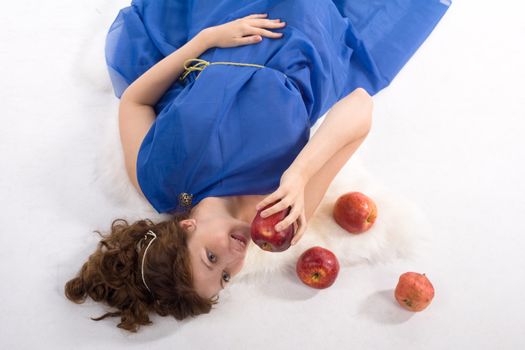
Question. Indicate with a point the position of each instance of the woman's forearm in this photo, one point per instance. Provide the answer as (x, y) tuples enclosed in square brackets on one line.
[(349, 119), (150, 86)]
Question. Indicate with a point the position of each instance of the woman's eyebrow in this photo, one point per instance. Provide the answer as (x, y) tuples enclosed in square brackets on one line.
[(211, 269)]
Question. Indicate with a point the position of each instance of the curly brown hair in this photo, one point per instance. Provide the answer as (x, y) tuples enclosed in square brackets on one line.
[(112, 274)]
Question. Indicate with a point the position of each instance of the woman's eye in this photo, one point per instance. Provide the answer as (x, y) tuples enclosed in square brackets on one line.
[(226, 277), (212, 257)]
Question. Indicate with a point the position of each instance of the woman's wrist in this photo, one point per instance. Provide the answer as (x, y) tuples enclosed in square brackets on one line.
[(300, 173), (205, 39)]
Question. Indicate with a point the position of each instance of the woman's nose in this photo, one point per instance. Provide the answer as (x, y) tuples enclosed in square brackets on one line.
[(236, 261), (237, 267)]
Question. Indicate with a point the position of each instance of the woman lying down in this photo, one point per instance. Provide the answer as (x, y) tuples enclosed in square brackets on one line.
[(216, 106)]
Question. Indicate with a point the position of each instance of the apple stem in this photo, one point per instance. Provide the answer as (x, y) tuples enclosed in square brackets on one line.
[(266, 246)]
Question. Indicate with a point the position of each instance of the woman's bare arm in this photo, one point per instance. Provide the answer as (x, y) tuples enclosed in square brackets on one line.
[(136, 111), (150, 86), (306, 180), (348, 120)]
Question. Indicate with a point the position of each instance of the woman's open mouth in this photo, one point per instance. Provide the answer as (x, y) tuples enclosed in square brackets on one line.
[(242, 241)]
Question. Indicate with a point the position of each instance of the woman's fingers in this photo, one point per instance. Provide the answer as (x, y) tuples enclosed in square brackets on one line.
[(289, 219), (301, 228), (257, 27), (279, 206), (267, 23), (266, 33), (257, 15), (245, 40), (272, 197), (253, 26)]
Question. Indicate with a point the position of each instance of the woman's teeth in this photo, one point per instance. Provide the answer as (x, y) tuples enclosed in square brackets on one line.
[(238, 240)]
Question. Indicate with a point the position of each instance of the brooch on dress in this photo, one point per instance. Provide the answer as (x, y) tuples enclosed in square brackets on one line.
[(185, 199)]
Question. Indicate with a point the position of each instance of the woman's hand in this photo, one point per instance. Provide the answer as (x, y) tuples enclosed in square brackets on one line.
[(242, 31), (290, 193)]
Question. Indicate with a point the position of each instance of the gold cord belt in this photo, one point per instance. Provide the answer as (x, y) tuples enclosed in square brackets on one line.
[(201, 64)]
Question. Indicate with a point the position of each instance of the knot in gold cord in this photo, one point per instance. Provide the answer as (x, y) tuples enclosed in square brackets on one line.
[(201, 64)]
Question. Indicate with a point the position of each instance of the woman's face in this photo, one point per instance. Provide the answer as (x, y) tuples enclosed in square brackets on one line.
[(215, 255)]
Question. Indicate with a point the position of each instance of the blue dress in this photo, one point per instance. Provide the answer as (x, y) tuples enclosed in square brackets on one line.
[(232, 130)]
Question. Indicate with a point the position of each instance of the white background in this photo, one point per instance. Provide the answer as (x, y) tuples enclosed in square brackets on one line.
[(448, 133)]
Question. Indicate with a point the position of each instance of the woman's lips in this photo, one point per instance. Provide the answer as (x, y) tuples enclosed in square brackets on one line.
[(238, 245), (240, 237), (243, 232)]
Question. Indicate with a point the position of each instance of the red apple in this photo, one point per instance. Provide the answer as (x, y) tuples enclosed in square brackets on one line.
[(355, 212), (264, 234), (317, 267), (414, 291)]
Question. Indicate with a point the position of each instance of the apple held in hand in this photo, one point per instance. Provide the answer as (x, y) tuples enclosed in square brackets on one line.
[(264, 234), (317, 267), (355, 212), (414, 291)]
